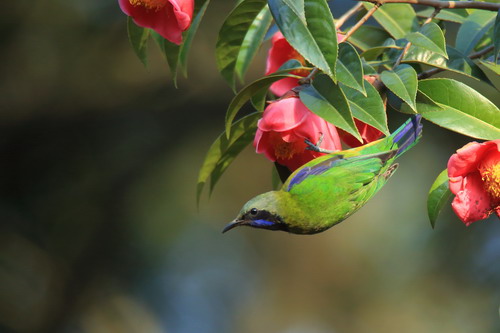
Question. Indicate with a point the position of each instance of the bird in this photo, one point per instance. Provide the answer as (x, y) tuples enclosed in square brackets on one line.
[(330, 188)]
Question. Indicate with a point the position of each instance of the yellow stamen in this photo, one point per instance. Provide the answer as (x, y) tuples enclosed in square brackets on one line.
[(282, 149), (149, 4), (490, 173)]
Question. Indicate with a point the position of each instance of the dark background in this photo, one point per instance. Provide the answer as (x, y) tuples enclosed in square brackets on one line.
[(99, 229)]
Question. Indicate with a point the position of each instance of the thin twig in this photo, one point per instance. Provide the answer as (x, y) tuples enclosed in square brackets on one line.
[(433, 71), (308, 78), (407, 46), (347, 15), (362, 21), (443, 4)]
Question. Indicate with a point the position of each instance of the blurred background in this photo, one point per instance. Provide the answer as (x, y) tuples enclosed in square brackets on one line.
[(99, 229)]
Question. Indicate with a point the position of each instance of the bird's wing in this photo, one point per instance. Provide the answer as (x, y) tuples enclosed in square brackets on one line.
[(345, 170)]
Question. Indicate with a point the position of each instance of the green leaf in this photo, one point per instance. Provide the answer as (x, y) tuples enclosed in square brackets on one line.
[(189, 36), (452, 15), (368, 36), (397, 19), (367, 68), (232, 37), (250, 90), (439, 195), (402, 82), (312, 34), (423, 102), (138, 38), (374, 52), (252, 41), (171, 53), (457, 62), (349, 67), (496, 37), (224, 149), (429, 37), (463, 109), (326, 99), (369, 109), (473, 28), (492, 71)]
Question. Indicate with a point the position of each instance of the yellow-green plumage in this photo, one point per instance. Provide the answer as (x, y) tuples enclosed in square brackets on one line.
[(330, 188)]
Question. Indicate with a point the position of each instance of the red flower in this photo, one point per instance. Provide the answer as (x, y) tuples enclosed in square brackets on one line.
[(279, 53), (284, 126), (169, 18), (474, 178)]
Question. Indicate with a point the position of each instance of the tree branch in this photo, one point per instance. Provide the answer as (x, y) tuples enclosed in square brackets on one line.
[(340, 22), (442, 4), (362, 21)]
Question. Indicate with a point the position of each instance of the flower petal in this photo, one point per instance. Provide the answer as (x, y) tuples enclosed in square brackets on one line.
[(283, 115), (472, 203)]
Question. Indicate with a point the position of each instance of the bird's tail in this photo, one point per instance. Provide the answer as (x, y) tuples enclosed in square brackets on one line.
[(407, 135)]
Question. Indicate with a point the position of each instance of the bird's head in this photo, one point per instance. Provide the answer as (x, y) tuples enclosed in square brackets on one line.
[(260, 212)]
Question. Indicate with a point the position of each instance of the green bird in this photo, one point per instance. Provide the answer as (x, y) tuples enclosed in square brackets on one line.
[(330, 188)]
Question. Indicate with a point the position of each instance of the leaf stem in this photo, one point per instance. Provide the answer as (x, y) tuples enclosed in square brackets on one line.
[(407, 46), (433, 71), (340, 22), (442, 4)]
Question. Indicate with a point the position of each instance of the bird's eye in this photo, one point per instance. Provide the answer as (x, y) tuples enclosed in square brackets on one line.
[(254, 211)]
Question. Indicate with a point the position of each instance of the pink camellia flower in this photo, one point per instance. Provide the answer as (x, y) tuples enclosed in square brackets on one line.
[(284, 126), (474, 178), (169, 18), (279, 53)]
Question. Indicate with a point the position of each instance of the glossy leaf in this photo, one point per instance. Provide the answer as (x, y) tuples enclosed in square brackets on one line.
[(232, 37), (429, 37), (247, 92), (189, 35), (492, 71), (309, 31), (326, 99), (369, 109), (368, 36), (224, 149), (397, 19), (171, 53), (349, 67), (496, 37), (473, 28), (374, 52), (457, 62), (456, 15), (402, 82), (439, 196), (463, 109), (423, 102), (367, 68), (138, 38), (252, 41)]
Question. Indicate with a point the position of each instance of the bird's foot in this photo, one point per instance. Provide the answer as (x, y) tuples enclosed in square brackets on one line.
[(316, 147)]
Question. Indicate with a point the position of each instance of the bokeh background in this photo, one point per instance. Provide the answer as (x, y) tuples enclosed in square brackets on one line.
[(99, 229)]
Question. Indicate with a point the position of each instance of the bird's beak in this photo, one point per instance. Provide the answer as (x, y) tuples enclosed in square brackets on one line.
[(234, 224)]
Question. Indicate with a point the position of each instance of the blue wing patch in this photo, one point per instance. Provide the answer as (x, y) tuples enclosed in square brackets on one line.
[(317, 169)]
